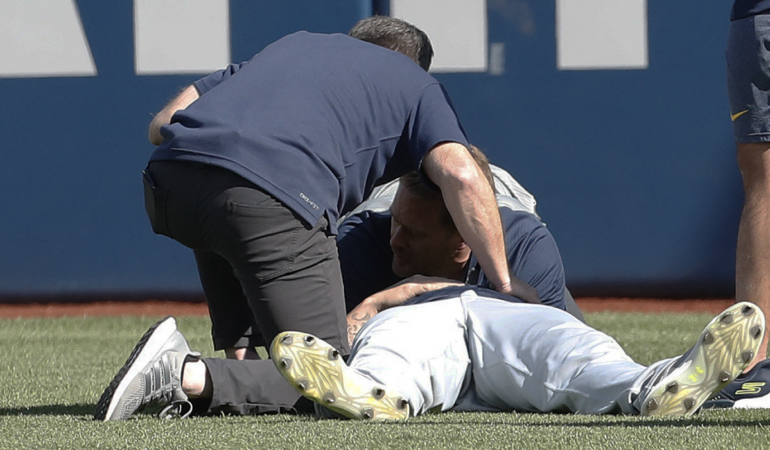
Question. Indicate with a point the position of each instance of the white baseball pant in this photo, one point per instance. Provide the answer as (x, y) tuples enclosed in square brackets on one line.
[(480, 354)]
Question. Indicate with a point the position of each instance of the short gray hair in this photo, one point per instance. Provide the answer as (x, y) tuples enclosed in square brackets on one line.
[(397, 35)]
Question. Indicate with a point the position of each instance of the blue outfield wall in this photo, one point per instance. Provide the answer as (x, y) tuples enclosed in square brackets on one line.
[(634, 170)]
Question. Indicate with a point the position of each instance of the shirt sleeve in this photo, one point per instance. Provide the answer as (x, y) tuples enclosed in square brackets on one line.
[(209, 82), (433, 120)]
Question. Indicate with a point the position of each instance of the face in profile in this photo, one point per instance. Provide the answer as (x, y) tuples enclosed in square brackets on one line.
[(422, 244)]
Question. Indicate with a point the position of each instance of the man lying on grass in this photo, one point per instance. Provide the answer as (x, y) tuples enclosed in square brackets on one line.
[(472, 349)]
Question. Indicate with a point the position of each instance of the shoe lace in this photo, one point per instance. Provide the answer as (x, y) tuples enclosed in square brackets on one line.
[(160, 385), (178, 408)]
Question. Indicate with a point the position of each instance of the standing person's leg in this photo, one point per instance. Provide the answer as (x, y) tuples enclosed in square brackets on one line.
[(752, 270), (748, 83)]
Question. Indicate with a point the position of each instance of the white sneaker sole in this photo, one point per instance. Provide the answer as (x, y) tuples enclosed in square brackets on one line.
[(315, 369), (724, 349)]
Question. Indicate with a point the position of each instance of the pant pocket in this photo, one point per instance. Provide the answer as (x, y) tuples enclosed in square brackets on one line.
[(266, 233), (155, 204)]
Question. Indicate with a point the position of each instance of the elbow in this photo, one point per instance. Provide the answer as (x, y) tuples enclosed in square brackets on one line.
[(155, 137), (154, 132), (467, 175), (451, 166), (460, 177)]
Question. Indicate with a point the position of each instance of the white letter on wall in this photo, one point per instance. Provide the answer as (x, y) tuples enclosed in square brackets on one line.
[(43, 38), (601, 34), (457, 30), (181, 36)]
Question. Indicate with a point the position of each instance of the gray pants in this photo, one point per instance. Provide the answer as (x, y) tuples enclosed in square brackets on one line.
[(477, 354), (249, 387), (258, 264)]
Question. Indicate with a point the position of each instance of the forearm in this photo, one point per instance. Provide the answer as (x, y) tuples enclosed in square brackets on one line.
[(478, 221), (356, 319), (471, 202), (181, 101)]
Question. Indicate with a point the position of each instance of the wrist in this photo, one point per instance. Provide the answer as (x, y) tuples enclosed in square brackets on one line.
[(504, 287), (372, 302)]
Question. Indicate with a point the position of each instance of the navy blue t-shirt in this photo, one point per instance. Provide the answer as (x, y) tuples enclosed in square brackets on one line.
[(366, 256), (455, 291), (745, 8), (316, 120)]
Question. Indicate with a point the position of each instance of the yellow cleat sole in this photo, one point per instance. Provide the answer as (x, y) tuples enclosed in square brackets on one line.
[(315, 369), (725, 348)]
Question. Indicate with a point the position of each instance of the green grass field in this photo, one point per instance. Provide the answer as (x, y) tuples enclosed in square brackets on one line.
[(52, 372)]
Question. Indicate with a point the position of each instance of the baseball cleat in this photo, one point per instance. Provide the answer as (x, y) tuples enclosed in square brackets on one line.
[(150, 377), (724, 349), (315, 369)]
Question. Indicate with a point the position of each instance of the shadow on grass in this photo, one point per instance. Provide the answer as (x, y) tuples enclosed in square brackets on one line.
[(50, 410), (638, 423), (476, 419), (684, 423)]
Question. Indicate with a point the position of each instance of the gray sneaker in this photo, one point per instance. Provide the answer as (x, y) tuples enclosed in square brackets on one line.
[(315, 369), (726, 346), (150, 377)]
